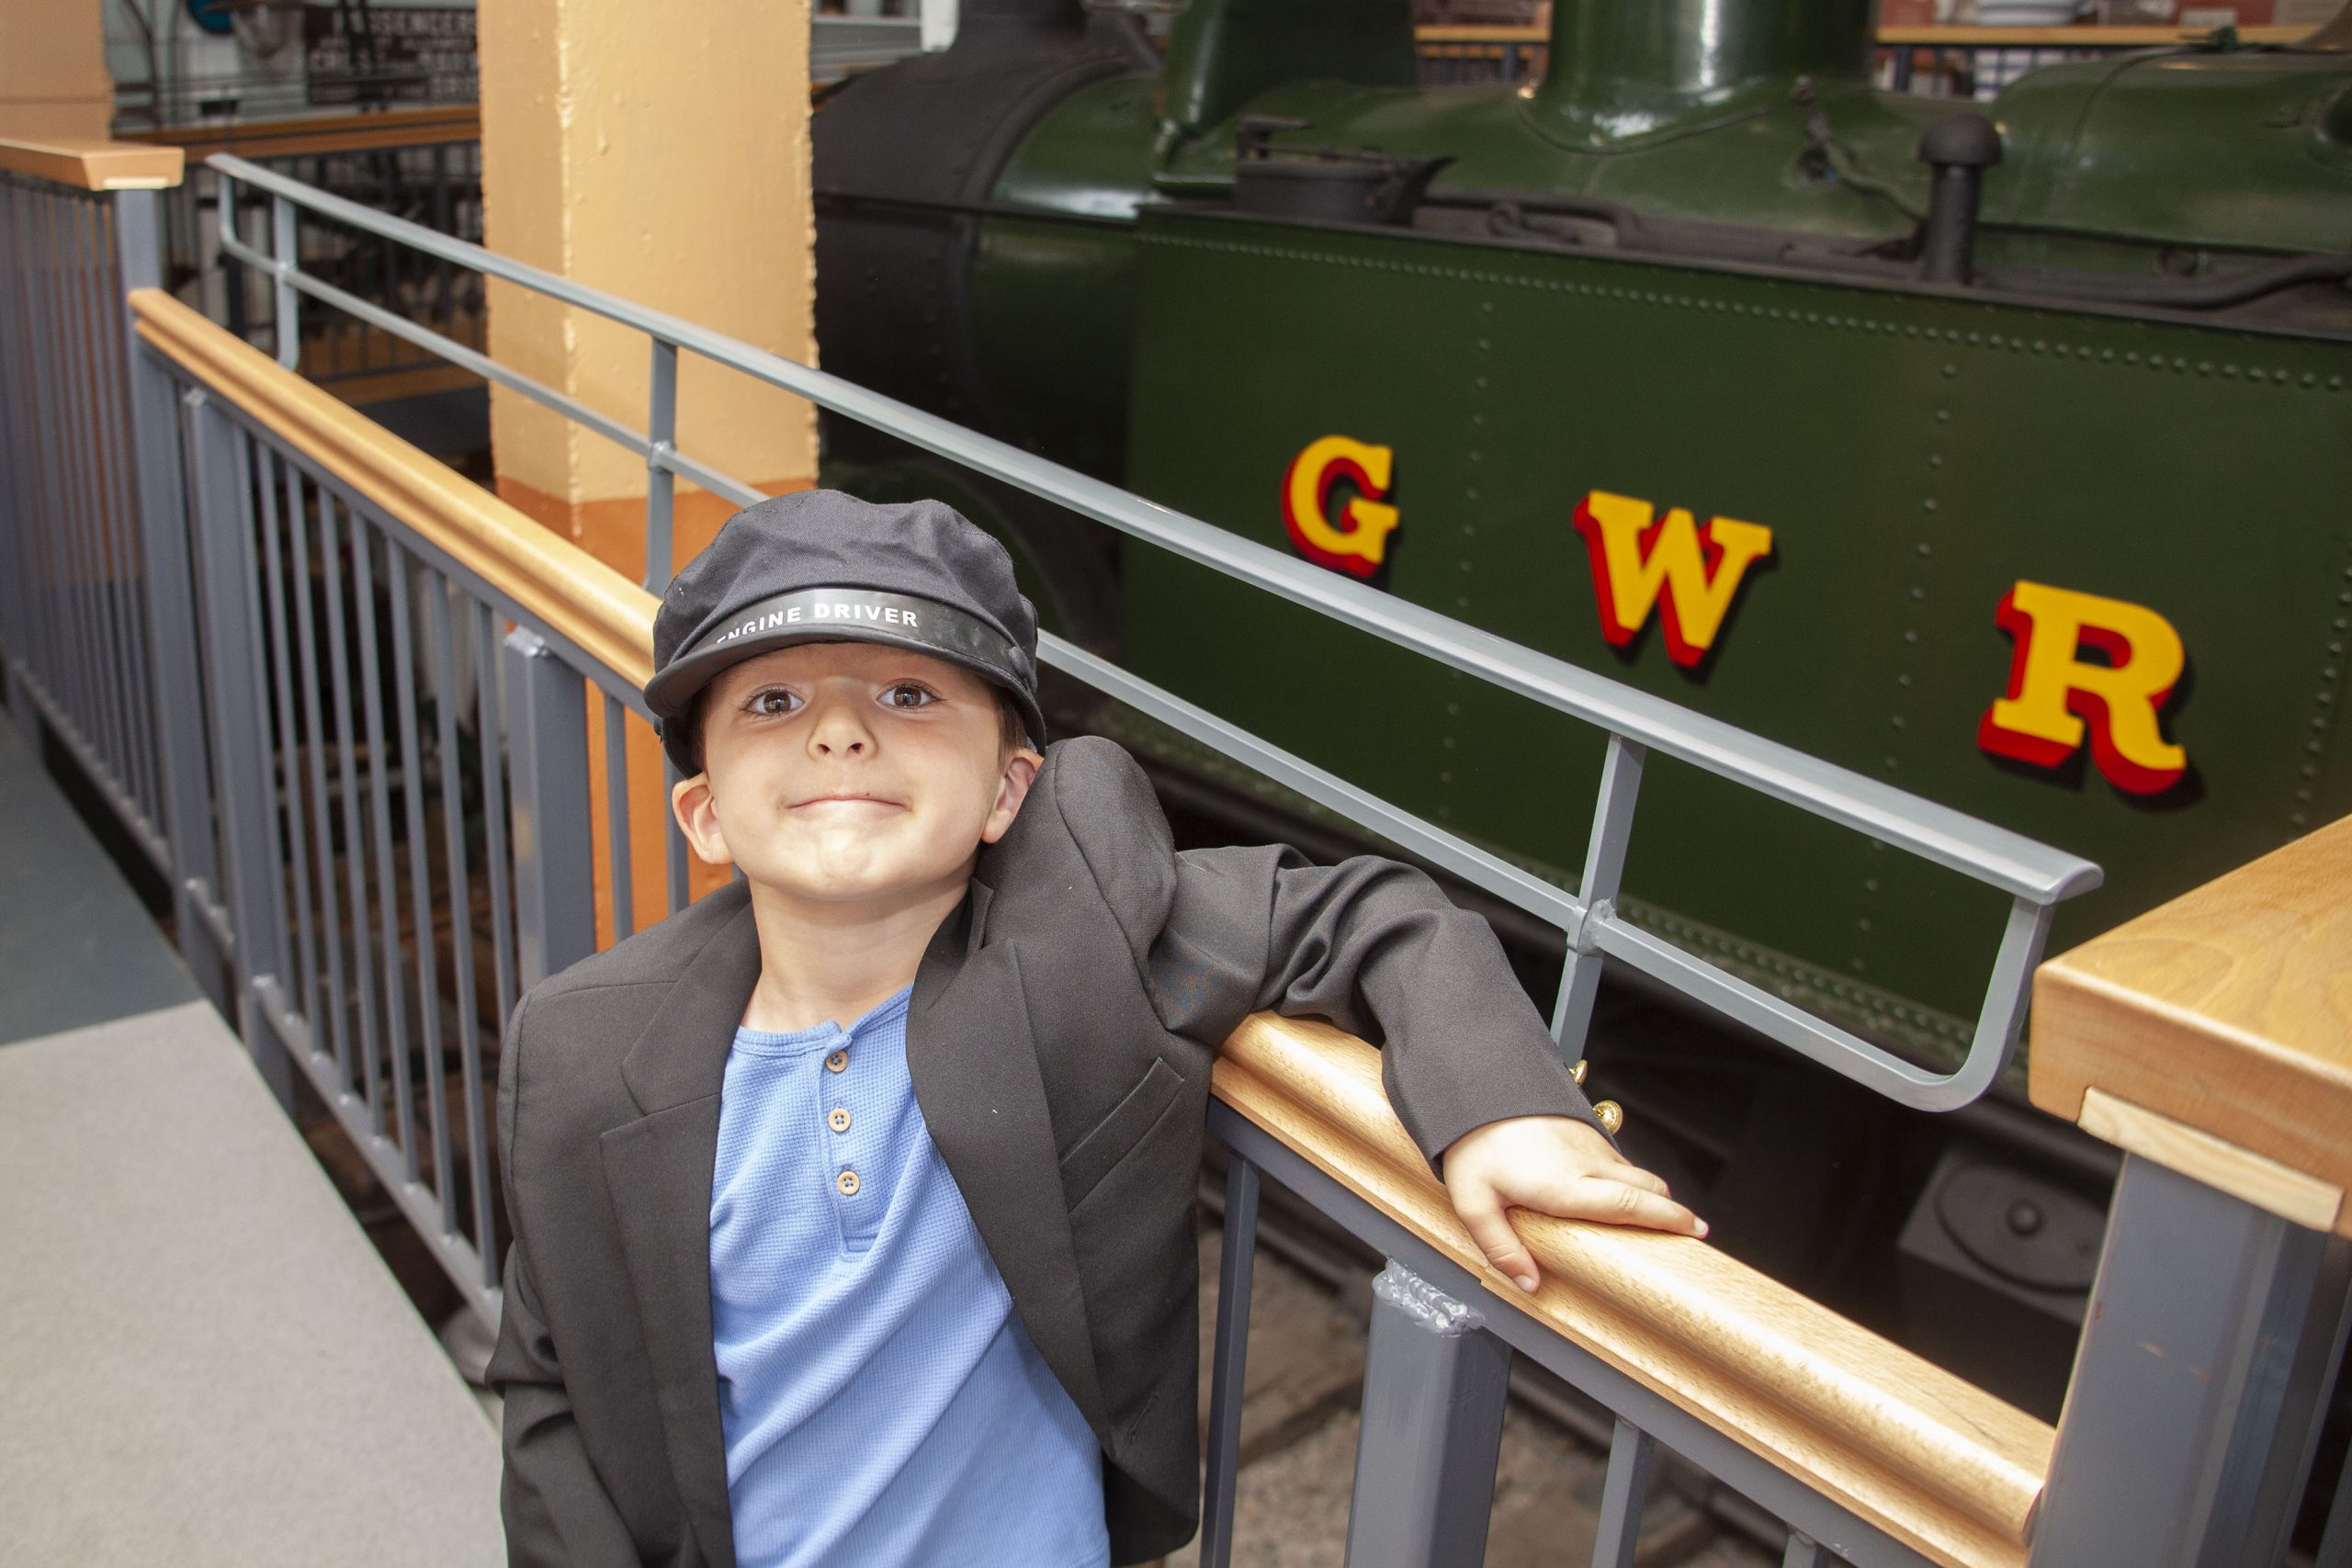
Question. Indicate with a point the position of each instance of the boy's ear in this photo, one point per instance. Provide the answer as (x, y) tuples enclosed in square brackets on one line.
[(1020, 773), (697, 818)]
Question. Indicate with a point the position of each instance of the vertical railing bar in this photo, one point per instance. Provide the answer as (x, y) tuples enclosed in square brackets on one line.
[(674, 844), (461, 929), (1803, 1552), (1228, 1359), (436, 1058), (69, 686), (355, 841), (80, 706), (1604, 866), (38, 658), (660, 485), (289, 768), (138, 675), (379, 767), (269, 864), (285, 303), (617, 822), (16, 630), (105, 590), (138, 263), (1622, 1495), (420, 879), (493, 815), (106, 587), (105, 370), (335, 1022)]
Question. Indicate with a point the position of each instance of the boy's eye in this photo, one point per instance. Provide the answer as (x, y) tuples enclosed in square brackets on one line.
[(772, 702), (907, 694)]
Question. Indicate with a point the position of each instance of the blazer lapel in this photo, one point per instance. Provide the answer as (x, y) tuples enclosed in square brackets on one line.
[(657, 1173), (973, 1063)]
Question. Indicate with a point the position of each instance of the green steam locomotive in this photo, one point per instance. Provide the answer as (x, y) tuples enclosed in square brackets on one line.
[(2006, 457)]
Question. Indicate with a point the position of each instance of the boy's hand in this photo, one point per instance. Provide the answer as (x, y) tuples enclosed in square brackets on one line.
[(1554, 1164)]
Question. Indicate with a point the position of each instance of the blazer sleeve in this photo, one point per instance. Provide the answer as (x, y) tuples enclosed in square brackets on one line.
[(1376, 948), (555, 1507)]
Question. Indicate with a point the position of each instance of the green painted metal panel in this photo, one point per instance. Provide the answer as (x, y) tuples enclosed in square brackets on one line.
[(1915, 455)]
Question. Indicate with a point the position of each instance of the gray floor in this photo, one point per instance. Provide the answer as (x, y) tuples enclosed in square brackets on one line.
[(77, 947), (202, 1359), (205, 1361)]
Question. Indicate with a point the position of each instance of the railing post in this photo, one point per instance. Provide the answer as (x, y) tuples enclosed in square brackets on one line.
[(1604, 867), (1229, 1359), (247, 794), (174, 667), (2212, 1333), (661, 441), (287, 314), (555, 900), (1433, 1393)]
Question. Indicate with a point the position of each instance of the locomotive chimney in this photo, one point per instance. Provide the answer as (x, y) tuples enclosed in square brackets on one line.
[(1625, 71)]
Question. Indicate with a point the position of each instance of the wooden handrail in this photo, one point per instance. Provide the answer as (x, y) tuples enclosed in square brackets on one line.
[(1941, 37), (93, 165), (609, 618), (295, 137), (2213, 1034), (1936, 1462)]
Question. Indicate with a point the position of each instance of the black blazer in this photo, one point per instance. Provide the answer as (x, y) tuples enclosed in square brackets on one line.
[(1062, 1028)]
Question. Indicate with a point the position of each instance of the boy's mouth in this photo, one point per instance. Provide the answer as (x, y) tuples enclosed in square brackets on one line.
[(844, 798)]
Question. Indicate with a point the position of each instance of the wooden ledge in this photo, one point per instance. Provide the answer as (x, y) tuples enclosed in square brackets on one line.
[(294, 136), (94, 165), (607, 615), (2226, 1015), (1936, 1462)]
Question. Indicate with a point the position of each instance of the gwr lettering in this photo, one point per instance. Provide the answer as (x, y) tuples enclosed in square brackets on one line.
[(2057, 700)]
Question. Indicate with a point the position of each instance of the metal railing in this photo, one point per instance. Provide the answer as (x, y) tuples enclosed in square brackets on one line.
[(2034, 876), (344, 750), (432, 178), (74, 615)]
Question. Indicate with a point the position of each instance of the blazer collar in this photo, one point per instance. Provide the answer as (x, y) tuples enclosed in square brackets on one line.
[(681, 1055), (973, 1058)]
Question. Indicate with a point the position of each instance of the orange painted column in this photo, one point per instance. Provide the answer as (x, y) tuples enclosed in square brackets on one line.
[(659, 152), (54, 80)]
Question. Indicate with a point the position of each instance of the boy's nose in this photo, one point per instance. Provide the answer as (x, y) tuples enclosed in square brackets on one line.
[(839, 731)]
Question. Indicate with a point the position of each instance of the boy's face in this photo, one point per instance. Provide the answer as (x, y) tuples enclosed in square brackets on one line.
[(850, 773)]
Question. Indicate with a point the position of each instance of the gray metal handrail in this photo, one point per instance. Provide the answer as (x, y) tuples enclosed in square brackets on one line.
[(2035, 876)]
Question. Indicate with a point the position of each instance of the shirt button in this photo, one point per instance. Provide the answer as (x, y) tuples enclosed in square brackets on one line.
[(847, 1182), (837, 1061), (839, 1119)]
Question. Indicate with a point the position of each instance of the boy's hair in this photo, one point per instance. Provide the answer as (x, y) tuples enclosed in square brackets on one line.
[(1012, 728)]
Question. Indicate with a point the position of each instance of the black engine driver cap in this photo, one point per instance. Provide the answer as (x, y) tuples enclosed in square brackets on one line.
[(818, 566)]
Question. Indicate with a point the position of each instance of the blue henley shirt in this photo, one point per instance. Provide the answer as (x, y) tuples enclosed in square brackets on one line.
[(882, 1404)]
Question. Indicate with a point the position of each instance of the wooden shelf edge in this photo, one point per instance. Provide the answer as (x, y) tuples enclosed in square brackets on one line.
[(608, 616), (1936, 1462), (94, 165), (2277, 1189)]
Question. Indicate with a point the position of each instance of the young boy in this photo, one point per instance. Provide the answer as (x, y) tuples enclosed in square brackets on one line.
[(853, 1205)]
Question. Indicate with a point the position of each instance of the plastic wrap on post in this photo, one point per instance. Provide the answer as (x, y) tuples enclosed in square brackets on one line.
[(1433, 1394)]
